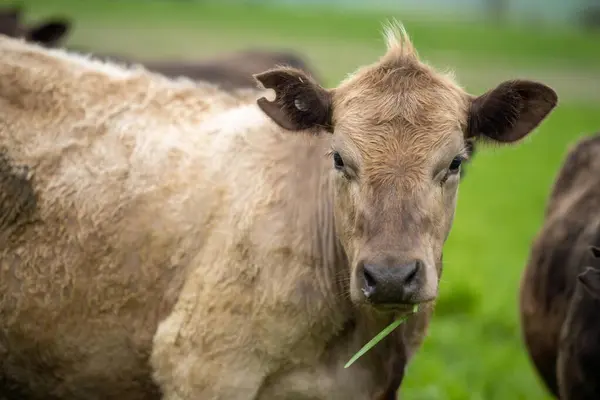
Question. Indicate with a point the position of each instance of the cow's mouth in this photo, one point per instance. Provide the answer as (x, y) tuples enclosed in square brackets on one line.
[(400, 309)]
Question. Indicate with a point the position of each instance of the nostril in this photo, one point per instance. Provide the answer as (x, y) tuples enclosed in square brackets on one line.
[(369, 286), (412, 274)]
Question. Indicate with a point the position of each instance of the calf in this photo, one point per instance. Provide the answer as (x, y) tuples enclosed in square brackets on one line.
[(579, 349), (163, 239), (558, 254)]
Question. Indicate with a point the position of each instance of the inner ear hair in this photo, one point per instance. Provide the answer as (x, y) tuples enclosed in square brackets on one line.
[(300, 102)]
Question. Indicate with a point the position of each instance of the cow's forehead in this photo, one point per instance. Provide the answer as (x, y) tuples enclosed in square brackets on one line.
[(401, 112)]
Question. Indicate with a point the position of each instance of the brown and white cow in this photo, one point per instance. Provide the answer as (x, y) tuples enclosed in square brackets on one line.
[(578, 362), (165, 239), (559, 254)]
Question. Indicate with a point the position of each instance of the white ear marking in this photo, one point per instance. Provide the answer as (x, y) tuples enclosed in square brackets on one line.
[(300, 105)]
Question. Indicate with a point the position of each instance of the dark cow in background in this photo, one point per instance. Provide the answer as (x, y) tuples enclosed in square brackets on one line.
[(559, 254), (50, 32), (231, 71), (579, 350)]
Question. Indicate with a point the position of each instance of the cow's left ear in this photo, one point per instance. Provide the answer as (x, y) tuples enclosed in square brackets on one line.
[(511, 111), (49, 32), (300, 102)]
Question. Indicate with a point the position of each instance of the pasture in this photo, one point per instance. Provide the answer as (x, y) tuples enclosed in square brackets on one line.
[(473, 350)]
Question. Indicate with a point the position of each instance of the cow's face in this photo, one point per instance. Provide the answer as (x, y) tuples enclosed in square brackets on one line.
[(400, 133)]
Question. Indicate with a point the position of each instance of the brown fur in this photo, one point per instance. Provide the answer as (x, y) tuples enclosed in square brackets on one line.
[(231, 71), (578, 370), (558, 254), (183, 243)]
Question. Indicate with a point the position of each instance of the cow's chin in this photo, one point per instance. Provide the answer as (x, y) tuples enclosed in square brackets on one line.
[(396, 310)]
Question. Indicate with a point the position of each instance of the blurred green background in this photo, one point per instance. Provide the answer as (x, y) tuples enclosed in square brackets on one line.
[(474, 349)]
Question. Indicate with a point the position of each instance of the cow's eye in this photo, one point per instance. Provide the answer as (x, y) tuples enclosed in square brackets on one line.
[(455, 165), (338, 163)]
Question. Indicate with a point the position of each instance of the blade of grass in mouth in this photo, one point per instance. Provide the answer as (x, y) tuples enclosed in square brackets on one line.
[(380, 336)]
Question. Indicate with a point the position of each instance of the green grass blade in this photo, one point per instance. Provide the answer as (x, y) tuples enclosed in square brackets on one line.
[(380, 336)]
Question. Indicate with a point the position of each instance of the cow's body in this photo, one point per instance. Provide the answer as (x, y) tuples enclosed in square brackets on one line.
[(559, 253), (165, 239), (137, 205)]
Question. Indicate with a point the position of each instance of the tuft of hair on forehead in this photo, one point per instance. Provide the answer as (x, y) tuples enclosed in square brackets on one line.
[(397, 40)]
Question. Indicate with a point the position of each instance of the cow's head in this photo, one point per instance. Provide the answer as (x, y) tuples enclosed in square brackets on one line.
[(48, 33), (399, 133)]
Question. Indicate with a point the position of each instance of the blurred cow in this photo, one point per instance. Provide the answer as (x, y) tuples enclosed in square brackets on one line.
[(559, 254), (578, 369), (166, 239), (50, 32), (231, 71)]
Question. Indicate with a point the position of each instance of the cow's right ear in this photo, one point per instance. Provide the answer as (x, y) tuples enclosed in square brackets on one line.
[(511, 111), (300, 102)]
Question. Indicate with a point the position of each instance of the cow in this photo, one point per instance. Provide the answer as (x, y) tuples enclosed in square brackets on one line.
[(558, 254), (578, 361), (165, 239), (50, 32)]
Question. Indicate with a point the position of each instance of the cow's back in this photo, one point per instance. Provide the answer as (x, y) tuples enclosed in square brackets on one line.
[(101, 215), (571, 225)]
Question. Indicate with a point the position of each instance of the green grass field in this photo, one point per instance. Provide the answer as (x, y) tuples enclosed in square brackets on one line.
[(474, 350)]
